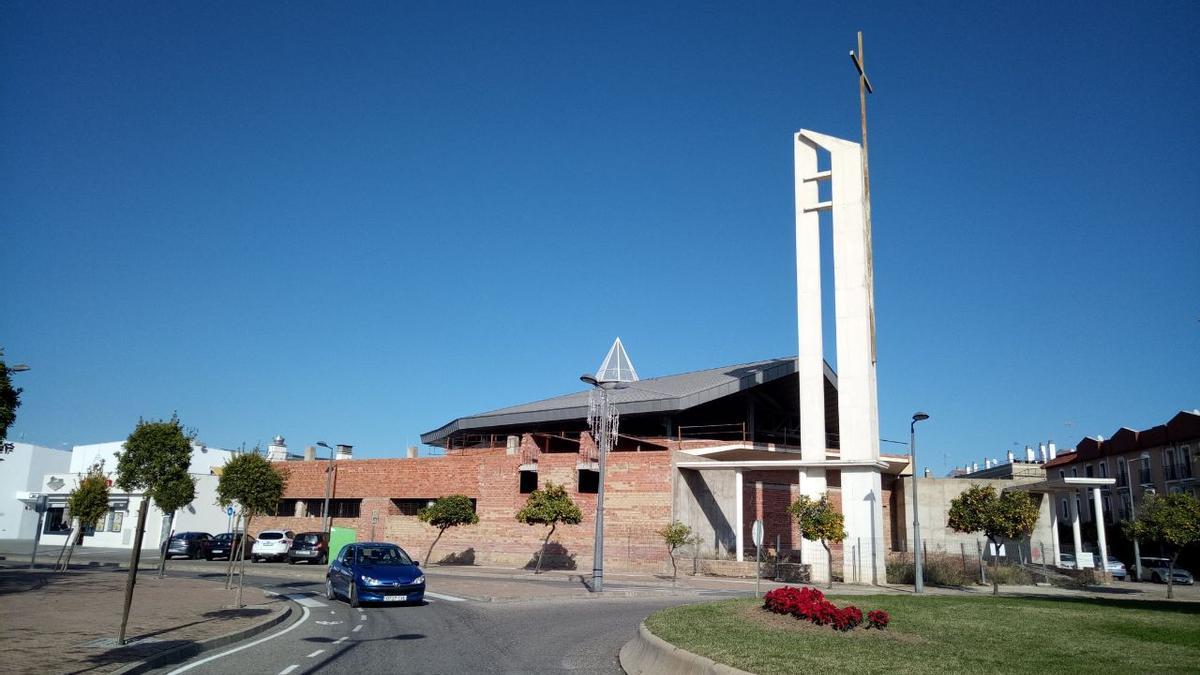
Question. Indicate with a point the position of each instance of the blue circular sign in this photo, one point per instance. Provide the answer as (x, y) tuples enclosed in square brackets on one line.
[(229, 510)]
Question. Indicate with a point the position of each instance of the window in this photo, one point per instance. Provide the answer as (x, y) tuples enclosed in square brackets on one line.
[(1168, 464), (1075, 472), (1108, 512), (1144, 470), (1062, 509), (1062, 474), (344, 508), (1104, 469), (56, 522), (1185, 461), (1122, 472), (1088, 471), (528, 482), (589, 481), (411, 507)]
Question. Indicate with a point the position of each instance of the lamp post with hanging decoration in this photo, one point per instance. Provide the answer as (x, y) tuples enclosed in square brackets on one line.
[(603, 421)]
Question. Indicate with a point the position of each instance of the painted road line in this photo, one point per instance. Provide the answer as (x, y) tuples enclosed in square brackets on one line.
[(289, 669), (316, 653), (362, 617), (356, 629), (182, 669), (340, 640), (304, 600), (447, 598)]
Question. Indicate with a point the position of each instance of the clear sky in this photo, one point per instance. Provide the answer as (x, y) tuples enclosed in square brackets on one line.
[(356, 223)]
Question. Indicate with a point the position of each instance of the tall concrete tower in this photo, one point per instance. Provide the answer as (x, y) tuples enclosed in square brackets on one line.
[(858, 408)]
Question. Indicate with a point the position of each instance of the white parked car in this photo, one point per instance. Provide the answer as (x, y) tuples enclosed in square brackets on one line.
[(272, 545)]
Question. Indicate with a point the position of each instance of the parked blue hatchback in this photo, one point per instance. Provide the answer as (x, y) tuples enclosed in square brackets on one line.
[(374, 572)]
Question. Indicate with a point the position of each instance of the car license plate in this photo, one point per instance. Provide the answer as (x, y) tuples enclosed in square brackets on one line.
[(395, 598)]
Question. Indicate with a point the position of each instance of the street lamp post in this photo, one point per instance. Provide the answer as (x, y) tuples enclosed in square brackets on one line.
[(919, 571), (603, 443), (328, 487), (1137, 552)]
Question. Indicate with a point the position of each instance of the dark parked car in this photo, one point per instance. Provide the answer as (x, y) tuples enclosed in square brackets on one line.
[(374, 572), (223, 544), (188, 544), (310, 546)]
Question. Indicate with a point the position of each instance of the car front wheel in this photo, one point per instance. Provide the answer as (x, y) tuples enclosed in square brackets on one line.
[(354, 595), (329, 594)]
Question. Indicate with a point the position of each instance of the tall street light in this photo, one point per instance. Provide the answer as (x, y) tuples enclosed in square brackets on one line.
[(328, 487), (1137, 552), (917, 558), (604, 420)]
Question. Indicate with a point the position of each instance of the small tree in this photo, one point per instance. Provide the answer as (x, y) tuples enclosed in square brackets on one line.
[(87, 503), (10, 399), (677, 535), (550, 505), (445, 513), (254, 483), (156, 454), (1009, 515), (819, 521), (169, 498), (1173, 521)]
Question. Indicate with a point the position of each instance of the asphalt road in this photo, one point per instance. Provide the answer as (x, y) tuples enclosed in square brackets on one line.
[(445, 635)]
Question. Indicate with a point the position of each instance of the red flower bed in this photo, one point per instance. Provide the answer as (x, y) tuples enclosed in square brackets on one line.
[(810, 604)]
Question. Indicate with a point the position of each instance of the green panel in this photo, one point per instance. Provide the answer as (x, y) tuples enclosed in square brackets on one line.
[(339, 537)]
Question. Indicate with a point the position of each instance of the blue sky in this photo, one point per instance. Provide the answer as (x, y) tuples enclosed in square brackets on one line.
[(355, 223)]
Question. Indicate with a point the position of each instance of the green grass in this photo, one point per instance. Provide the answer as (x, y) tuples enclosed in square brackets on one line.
[(947, 634)]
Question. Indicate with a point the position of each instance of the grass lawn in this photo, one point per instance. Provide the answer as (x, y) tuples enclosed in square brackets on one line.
[(947, 634)]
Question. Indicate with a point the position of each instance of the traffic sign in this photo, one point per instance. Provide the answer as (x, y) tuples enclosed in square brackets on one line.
[(229, 510), (758, 533)]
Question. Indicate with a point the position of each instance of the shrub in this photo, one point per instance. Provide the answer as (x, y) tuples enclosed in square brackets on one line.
[(810, 605), (940, 569), (877, 619)]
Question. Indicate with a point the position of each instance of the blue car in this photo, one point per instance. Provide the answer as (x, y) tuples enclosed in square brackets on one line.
[(374, 572)]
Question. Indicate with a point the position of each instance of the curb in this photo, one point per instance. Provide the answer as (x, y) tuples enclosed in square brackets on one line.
[(185, 652), (648, 653)]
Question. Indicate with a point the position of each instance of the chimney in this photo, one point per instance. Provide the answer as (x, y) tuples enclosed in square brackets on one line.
[(974, 467), (310, 453), (412, 452), (513, 445), (1029, 454), (1052, 449), (987, 463), (1099, 438), (927, 474), (1010, 456), (344, 451), (1042, 451), (277, 451)]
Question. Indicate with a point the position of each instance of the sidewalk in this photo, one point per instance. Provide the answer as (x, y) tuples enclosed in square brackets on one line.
[(68, 623)]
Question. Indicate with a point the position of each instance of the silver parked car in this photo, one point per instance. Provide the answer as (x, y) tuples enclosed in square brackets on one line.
[(1117, 569), (1156, 570)]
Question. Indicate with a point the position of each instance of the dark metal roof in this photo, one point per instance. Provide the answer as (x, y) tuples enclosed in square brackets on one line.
[(670, 393)]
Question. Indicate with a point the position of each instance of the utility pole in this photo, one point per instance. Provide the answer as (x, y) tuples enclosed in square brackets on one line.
[(864, 88)]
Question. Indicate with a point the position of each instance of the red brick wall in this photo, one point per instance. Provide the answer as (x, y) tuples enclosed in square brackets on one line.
[(638, 503)]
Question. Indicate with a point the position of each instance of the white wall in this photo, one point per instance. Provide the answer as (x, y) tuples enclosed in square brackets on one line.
[(22, 471), (204, 458)]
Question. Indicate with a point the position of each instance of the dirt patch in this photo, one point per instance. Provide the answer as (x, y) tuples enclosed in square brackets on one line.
[(786, 622)]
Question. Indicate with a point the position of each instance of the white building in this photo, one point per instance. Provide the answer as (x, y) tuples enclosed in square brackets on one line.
[(21, 471), (116, 529)]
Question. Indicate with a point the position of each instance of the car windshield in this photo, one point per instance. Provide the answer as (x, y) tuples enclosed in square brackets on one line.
[(224, 536), (308, 538), (270, 535), (383, 555)]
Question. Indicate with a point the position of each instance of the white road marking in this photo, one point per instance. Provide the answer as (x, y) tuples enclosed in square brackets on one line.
[(289, 669), (304, 600), (182, 669), (447, 598), (362, 617), (341, 640), (316, 653), (356, 629)]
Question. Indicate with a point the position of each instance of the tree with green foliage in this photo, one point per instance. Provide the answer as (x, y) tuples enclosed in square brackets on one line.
[(169, 498), (256, 486), (1008, 515), (1171, 520), (156, 454), (550, 505), (675, 536), (447, 512), (10, 399), (819, 521), (87, 503)]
